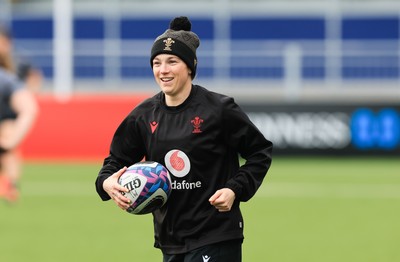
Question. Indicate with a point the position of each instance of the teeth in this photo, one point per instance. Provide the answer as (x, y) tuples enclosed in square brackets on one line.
[(165, 79)]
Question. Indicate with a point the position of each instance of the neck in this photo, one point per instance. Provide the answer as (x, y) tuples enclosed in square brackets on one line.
[(176, 100)]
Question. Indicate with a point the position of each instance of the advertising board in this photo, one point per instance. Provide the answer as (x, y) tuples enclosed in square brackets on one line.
[(329, 129)]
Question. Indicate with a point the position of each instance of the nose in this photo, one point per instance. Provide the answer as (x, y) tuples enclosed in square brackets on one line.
[(164, 68)]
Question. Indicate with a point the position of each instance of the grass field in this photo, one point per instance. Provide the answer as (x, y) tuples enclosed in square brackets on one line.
[(308, 210)]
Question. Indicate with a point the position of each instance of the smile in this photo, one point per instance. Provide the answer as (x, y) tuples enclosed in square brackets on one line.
[(166, 79)]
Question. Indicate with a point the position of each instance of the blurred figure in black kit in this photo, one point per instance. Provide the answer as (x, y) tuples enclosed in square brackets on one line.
[(24, 70), (18, 111)]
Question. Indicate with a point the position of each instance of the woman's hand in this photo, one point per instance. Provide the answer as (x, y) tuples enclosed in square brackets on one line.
[(223, 199), (114, 189)]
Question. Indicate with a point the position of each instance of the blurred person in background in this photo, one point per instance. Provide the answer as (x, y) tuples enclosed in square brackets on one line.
[(18, 110), (198, 135), (24, 70)]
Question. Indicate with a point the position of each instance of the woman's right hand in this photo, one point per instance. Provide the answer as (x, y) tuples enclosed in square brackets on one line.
[(114, 189)]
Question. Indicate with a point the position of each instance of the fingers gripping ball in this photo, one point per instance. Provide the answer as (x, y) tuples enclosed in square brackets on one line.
[(149, 186)]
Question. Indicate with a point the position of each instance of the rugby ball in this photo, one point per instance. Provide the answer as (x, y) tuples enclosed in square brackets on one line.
[(149, 186)]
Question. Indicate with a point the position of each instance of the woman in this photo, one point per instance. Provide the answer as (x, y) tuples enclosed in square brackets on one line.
[(197, 134), (18, 110)]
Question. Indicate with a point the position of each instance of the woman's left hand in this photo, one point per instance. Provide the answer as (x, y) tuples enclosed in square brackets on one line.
[(223, 199)]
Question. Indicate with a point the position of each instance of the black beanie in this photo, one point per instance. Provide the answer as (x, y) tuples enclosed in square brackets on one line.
[(178, 40)]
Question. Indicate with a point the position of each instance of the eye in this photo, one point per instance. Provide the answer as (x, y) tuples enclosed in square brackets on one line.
[(156, 63)]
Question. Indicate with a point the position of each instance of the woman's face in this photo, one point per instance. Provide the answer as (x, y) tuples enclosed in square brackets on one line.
[(172, 75)]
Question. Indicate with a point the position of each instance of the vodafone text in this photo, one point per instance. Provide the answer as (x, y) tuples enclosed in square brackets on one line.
[(180, 185)]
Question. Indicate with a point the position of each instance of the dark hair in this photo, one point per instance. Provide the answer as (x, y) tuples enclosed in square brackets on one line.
[(6, 61)]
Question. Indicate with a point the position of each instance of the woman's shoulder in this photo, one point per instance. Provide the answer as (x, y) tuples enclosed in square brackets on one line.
[(8, 81), (147, 105), (214, 97)]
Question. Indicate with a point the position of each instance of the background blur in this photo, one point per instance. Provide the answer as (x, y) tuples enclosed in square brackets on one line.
[(321, 79), (265, 45), (316, 76)]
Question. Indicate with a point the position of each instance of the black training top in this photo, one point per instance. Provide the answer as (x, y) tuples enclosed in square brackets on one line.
[(199, 142), (8, 85)]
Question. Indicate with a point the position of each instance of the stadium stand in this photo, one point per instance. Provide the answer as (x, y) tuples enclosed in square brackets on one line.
[(330, 47)]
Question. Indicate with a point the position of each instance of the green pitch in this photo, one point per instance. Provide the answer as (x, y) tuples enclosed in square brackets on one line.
[(308, 209)]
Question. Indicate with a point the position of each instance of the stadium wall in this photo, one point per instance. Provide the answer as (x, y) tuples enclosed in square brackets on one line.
[(77, 129), (81, 128)]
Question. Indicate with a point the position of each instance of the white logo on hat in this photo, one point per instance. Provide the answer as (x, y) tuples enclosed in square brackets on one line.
[(168, 43)]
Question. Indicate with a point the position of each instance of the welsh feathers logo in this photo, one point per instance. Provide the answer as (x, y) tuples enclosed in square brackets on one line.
[(177, 163), (196, 122), (168, 43)]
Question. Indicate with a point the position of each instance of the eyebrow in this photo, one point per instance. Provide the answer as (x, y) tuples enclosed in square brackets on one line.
[(168, 58)]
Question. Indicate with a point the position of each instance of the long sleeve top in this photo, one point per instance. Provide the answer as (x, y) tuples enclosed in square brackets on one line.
[(200, 142)]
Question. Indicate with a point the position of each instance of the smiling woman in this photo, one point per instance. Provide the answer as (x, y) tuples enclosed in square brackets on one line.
[(197, 134), (180, 41), (173, 77), (174, 61)]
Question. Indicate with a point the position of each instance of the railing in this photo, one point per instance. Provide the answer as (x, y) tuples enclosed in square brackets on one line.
[(264, 60), (111, 63)]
